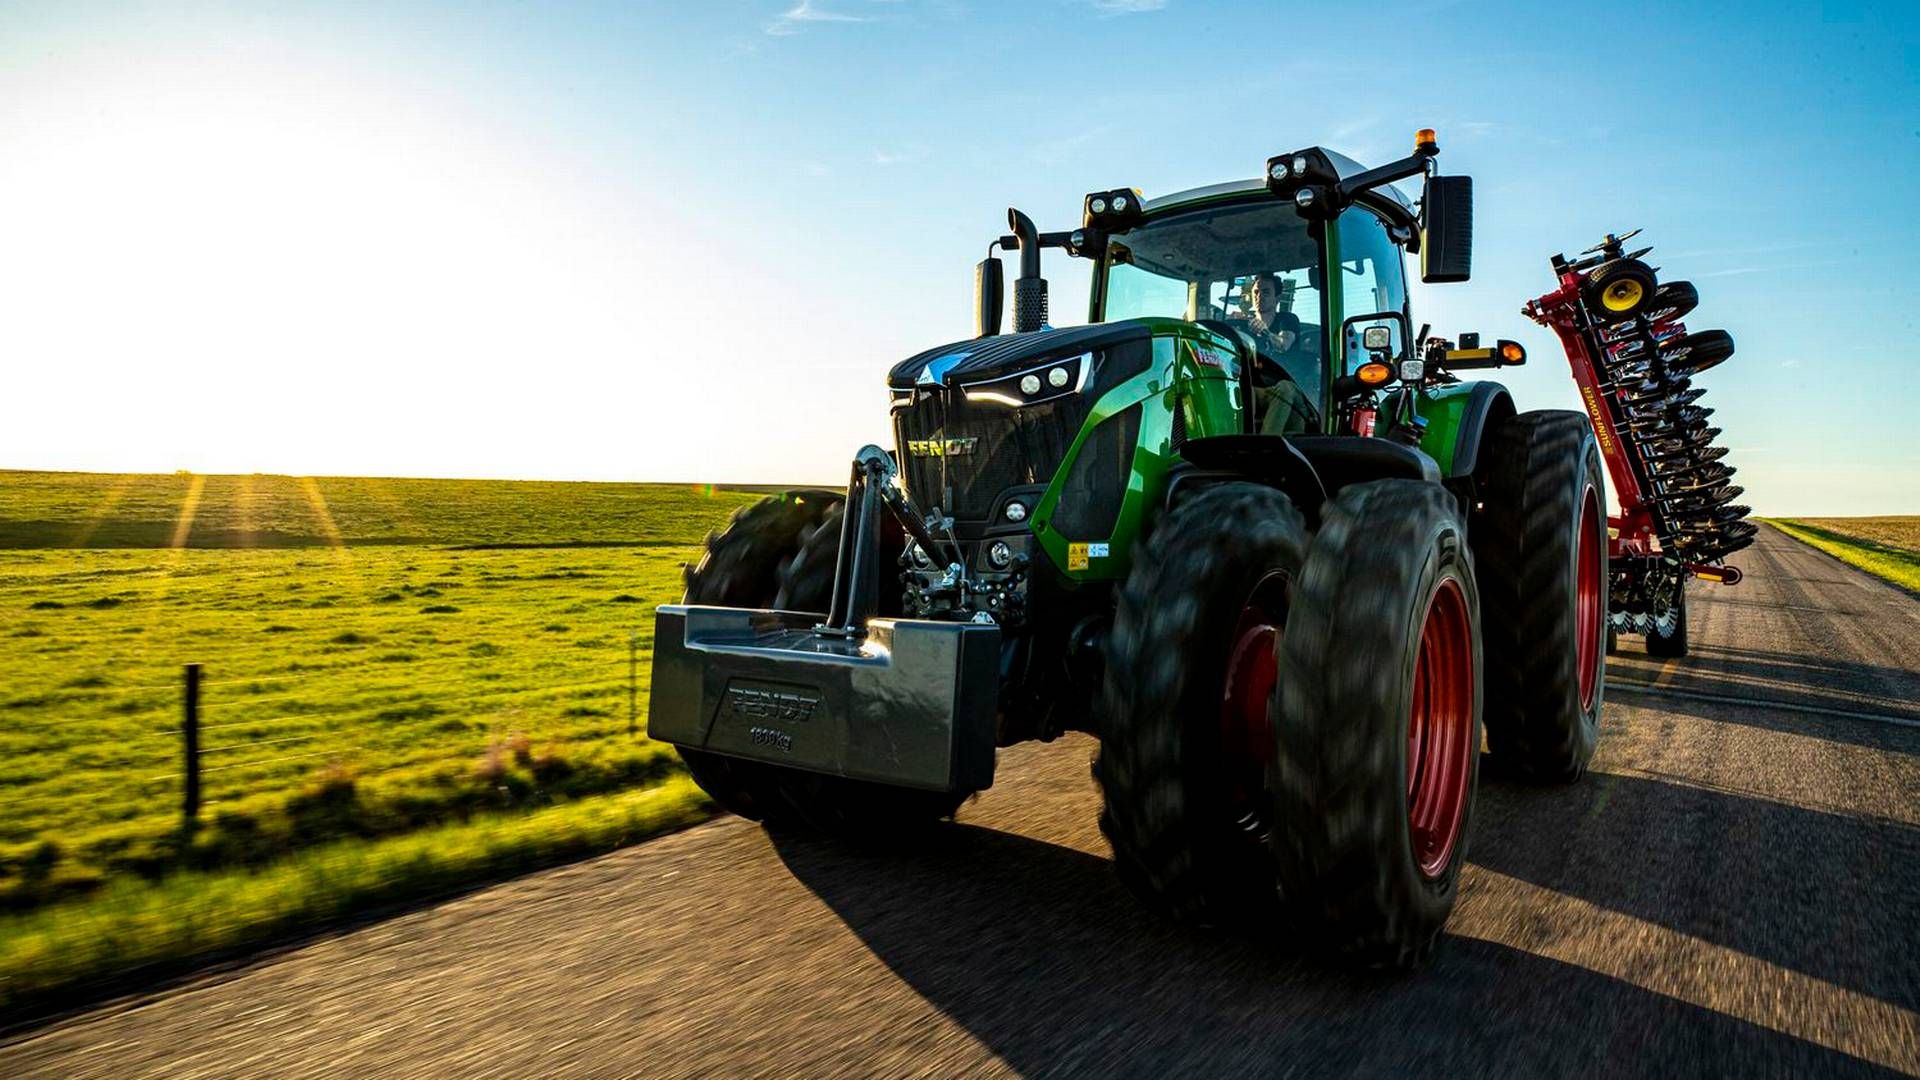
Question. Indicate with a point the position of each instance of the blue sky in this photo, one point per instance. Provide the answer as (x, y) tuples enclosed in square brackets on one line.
[(684, 242)]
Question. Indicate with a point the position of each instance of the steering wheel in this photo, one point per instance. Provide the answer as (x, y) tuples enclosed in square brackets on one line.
[(1265, 368)]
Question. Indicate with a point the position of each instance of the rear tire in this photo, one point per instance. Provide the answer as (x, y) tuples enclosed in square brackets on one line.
[(1540, 548), (1183, 716), (1672, 643), (1377, 723)]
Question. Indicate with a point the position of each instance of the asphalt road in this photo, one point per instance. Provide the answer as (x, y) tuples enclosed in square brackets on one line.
[(1734, 889)]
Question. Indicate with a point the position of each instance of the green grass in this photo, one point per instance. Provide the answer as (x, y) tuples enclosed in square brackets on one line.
[(138, 926), (99, 510), (1887, 547), (385, 662)]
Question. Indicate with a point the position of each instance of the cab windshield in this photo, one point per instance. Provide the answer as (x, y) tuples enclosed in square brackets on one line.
[(1254, 264)]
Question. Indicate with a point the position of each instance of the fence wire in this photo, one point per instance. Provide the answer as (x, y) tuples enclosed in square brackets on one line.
[(258, 733)]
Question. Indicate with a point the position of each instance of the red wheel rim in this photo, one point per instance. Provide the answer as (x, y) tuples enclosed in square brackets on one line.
[(1589, 601), (1253, 667), (1440, 745)]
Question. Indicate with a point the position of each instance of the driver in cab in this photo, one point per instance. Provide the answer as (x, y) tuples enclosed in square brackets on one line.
[(1284, 397)]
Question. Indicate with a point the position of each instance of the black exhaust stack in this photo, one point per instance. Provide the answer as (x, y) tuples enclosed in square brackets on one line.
[(1029, 289)]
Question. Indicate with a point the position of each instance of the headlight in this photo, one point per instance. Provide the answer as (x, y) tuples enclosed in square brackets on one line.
[(1046, 382)]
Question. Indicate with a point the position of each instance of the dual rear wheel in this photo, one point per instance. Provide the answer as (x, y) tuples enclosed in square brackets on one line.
[(1290, 727), (1540, 544)]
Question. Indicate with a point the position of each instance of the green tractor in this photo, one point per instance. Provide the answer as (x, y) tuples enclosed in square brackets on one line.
[(1245, 527)]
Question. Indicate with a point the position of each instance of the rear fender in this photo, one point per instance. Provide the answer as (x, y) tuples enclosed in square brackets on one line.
[(1459, 418)]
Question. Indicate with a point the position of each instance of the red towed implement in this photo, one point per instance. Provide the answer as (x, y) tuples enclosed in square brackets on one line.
[(1635, 363)]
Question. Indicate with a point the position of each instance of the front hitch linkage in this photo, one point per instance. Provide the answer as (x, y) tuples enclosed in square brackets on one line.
[(856, 572)]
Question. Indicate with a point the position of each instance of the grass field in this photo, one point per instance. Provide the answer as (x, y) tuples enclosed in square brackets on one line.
[(379, 657), (1888, 547)]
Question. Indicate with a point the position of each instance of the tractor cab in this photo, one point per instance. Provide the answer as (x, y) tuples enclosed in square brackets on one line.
[(1301, 274), (1300, 293)]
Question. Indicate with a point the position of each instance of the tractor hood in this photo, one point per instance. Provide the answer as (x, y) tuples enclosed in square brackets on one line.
[(977, 359)]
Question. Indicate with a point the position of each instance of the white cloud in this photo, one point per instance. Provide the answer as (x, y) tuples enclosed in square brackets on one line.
[(1068, 147), (795, 19), (900, 155)]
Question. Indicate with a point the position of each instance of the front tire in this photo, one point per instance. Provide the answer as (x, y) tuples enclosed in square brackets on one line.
[(1183, 718), (1377, 723), (857, 811), (1540, 548), (742, 567)]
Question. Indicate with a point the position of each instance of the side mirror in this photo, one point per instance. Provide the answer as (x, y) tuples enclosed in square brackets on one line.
[(989, 290), (1446, 249)]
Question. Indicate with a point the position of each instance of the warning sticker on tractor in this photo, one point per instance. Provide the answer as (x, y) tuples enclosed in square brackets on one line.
[(1079, 554)]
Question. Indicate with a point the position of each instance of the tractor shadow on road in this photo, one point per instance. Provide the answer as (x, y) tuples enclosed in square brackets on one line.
[(1802, 682), (1036, 950), (1830, 895)]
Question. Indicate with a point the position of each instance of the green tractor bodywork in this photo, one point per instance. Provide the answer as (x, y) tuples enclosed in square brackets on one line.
[(1030, 466), (1194, 377), (1229, 527), (1188, 379), (1205, 397)]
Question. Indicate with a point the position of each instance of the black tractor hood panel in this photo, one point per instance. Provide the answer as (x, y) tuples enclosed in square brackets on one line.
[(978, 358)]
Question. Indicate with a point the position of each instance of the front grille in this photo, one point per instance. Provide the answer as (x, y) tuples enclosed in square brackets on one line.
[(1013, 446)]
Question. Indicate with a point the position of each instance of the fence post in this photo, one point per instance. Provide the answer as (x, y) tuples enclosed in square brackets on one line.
[(633, 681), (190, 742)]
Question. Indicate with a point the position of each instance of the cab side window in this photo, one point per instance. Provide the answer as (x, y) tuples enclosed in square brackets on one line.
[(1373, 275)]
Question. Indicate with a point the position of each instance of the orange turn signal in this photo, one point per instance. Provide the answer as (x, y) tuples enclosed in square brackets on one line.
[(1373, 374), (1512, 352)]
